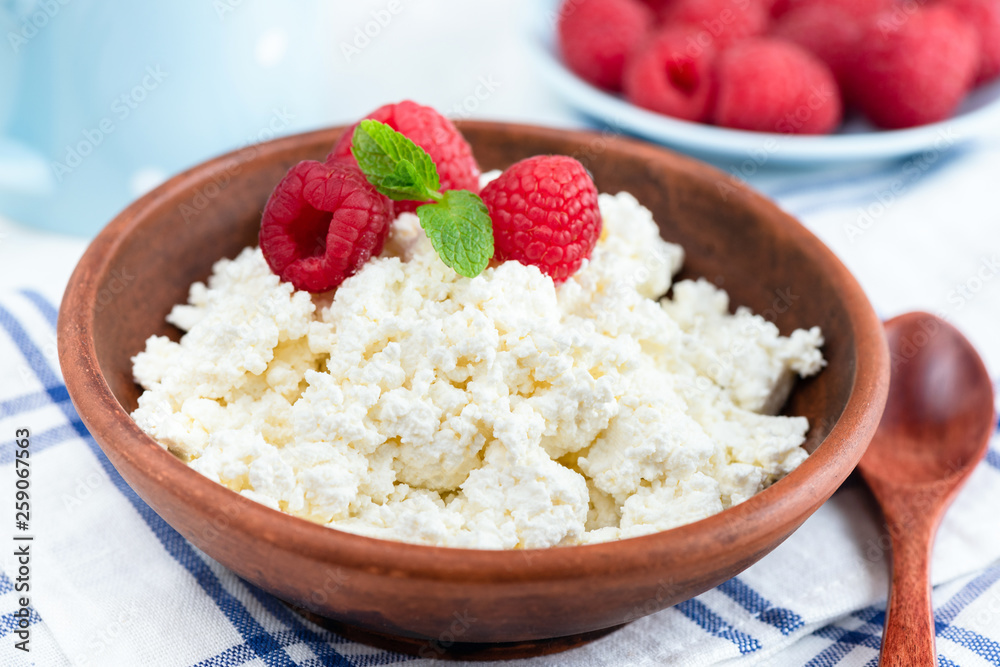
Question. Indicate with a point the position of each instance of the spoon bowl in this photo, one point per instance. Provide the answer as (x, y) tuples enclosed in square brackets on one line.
[(935, 429)]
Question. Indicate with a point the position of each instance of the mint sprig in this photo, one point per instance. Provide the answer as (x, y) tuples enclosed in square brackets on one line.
[(396, 166), (457, 222), (460, 230)]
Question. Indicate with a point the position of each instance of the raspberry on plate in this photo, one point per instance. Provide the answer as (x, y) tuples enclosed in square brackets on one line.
[(914, 69), (769, 85), (984, 16), (428, 129), (322, 223), (768, 5), (657, 6), (597, 36), (827, 31), (673, 75), (721, 22), (544, 211), (855, 9)]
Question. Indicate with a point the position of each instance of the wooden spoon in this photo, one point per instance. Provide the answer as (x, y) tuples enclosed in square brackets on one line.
[(935, 429)]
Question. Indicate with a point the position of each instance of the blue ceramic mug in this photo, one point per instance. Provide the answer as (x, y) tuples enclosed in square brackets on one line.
[(100, 100)]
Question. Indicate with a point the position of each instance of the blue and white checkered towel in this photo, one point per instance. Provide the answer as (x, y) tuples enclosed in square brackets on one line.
[(112, 584)]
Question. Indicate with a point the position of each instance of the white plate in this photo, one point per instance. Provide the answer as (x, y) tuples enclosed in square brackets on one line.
[(857, 140)]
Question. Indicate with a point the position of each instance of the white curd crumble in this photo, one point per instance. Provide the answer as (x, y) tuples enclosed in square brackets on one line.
[(498, 412)]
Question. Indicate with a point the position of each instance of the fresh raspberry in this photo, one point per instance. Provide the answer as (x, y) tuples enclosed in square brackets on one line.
[(769, 85), (545, 213), (767, 5), (657, 6), (858, 10), (779, 7), (828, 32), (913, 69), (984, 16), (322, 223), (596, 37), (431, 131), (721, 22), (673, 75)]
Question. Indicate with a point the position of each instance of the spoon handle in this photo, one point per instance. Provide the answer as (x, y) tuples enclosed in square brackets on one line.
[(908, 639)]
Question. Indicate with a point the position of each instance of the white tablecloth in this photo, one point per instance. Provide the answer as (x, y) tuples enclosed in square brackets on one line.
[(112, 584)]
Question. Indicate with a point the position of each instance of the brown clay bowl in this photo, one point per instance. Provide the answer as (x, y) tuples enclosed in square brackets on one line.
[(734, 237)]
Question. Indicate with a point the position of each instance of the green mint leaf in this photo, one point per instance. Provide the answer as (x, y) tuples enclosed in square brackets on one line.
[(396, 166), (460, 230)]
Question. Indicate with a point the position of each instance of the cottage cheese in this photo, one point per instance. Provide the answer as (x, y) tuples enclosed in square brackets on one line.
[(496, 412)]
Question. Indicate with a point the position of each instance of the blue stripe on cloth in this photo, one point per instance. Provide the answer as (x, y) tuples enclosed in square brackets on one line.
[(252, 632), (42, 441), (947, 612), (831, 655), (943, 616), (945, 662), (854, 637), (993, 458), (868, 634), (873, 614), (231, 657), (319, 643), (43, 306), (8, 622), (872, 663), (241, 654), (786, 620), (364, 659), (35, 358), (982, 646), (844, 641), (33, 401), (709, 621)]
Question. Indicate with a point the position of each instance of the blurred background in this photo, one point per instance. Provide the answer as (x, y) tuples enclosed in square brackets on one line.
[(111, 97)]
